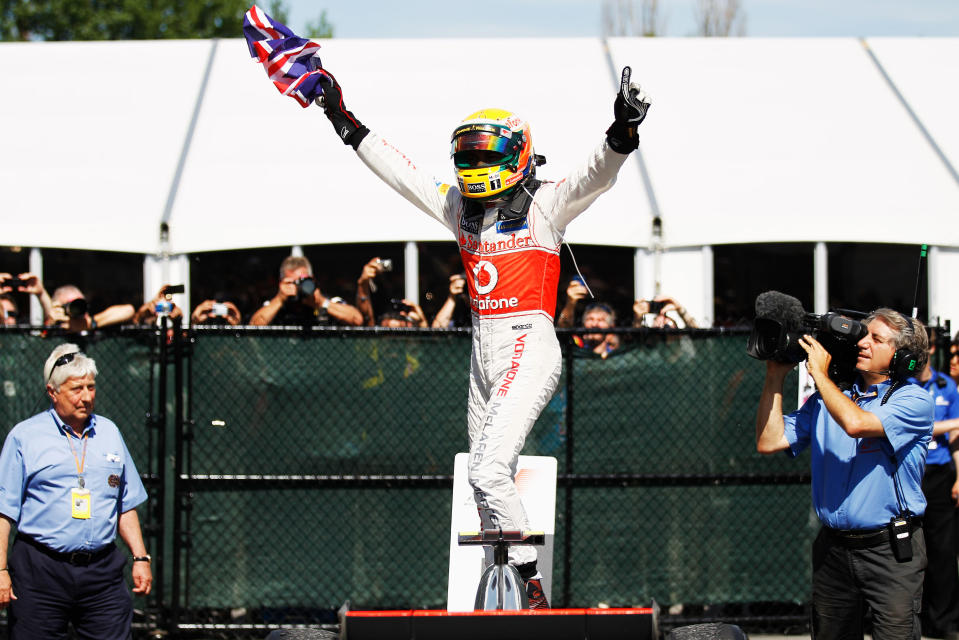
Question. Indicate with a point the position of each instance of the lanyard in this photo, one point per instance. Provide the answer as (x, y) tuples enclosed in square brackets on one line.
[(81, 462)]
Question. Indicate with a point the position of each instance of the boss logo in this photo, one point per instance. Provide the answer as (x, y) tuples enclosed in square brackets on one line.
[(476, 188)]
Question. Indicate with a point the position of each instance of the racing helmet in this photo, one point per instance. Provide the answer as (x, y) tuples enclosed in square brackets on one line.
[(492, 153)]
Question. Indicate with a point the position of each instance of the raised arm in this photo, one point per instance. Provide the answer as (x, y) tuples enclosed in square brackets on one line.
[(384, 160), (770, 425)]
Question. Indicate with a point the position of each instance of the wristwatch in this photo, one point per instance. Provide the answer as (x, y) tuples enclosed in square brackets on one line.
[(146, 558)]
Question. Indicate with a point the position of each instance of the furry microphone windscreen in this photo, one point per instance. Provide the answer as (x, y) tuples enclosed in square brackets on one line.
[(783, 308)]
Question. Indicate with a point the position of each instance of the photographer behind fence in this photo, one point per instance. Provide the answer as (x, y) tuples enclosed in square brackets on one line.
[(371, 299), (455, 312), (598, 315), (72, 312), (868, 443), (161, 305), (403, 313), (299, 301), (27, 283), (654, 313), (216, 312), (576, 292)]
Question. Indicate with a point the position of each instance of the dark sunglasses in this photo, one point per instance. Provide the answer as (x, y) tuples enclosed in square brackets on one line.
[(62, 360)]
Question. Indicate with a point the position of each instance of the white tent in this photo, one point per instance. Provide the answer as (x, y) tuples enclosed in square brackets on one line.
[(748, 140)]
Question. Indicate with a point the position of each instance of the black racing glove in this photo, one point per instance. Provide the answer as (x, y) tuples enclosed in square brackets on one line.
[(350, 130), (629, 109)]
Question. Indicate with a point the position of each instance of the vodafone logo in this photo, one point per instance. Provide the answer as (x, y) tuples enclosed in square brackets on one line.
[(485, 277)]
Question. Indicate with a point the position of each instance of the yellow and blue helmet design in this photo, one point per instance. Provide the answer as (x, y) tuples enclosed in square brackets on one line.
[(492, 152)]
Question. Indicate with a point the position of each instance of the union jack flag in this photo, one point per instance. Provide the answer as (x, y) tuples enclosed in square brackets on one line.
[(293, 63)]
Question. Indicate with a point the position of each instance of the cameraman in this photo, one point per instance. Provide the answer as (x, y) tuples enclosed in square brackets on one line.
[(215, 312), (27, 283), (366, 288), (868, 448), (161, 303), (455, 311), (72, 312), (658, 310), (299, 301)]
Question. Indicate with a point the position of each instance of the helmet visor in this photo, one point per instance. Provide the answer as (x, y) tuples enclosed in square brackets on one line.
[(478, 146)]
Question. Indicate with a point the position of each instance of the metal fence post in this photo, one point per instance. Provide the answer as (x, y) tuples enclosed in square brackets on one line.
[(160, 422), (178, 391), (568, 523)]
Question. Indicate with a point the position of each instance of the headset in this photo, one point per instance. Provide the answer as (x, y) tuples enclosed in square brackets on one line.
[(905, 361)]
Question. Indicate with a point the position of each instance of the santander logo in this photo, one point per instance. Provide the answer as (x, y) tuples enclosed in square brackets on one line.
[(485, 277)]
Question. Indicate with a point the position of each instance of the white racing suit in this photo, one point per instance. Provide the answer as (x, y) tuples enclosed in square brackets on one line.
[(512, 272)]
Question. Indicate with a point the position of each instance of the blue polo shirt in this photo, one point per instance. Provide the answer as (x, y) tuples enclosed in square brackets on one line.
[(38, 472), (852, 486), (942, 390)]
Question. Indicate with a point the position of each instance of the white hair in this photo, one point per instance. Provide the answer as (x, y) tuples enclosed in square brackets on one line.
[(80, 366)]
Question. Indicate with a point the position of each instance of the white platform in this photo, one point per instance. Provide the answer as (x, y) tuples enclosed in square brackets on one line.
[(536, 481)]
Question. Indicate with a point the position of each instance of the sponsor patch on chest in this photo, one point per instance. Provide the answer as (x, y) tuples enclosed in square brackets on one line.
[(511, 226)]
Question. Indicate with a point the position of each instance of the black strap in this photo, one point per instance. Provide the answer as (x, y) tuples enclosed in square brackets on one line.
[(517, 207), (521, 201), (892, 388)]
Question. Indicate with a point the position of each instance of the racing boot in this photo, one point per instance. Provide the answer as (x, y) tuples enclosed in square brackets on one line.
[(534, 593)]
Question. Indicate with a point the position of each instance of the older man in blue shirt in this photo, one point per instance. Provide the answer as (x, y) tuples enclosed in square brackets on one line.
[(868, 455), (69, 484)]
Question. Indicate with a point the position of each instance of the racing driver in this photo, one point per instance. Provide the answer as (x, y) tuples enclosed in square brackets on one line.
[(509, 227)]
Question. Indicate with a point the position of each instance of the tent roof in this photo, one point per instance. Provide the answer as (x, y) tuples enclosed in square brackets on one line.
[(748, 140)]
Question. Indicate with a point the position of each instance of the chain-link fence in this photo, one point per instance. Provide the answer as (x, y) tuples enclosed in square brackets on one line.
[(291, 471)]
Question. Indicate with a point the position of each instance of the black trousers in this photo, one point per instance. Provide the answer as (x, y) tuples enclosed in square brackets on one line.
[(52, 593), (940, 591), (845, 580)]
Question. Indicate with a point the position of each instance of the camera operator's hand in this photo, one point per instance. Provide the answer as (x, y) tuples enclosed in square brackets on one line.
[(371, 269), (640, 309), (457, 285), (444, 317), (609, 344), (204, 312), (33, 286), (287, 289), (414, 314), (147, 312), (58, 314), (575, 291), (365, 287), (818, 359), (5, 288)]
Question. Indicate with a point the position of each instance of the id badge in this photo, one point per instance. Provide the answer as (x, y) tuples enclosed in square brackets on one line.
[(80, 503)]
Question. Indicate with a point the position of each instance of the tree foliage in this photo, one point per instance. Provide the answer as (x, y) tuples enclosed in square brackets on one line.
[(720, 18), (632, 18), (126, 19), (321, 28)]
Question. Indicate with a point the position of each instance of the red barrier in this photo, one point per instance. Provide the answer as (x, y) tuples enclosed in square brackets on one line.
[(555, 624)]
